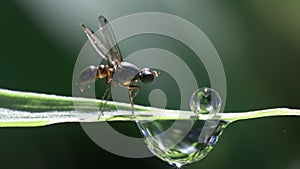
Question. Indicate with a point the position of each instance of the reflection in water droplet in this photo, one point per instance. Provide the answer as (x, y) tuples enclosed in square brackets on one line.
[(186, 141)]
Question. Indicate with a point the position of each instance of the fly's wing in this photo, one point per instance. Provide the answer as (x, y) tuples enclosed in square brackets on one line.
[(97, 43), (110, 41)]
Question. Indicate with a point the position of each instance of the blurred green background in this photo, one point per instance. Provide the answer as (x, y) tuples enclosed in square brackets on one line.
[(258, 43)]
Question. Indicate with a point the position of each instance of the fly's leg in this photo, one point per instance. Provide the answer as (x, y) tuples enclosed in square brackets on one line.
[(106, 97), (131, 88), (104, 104)]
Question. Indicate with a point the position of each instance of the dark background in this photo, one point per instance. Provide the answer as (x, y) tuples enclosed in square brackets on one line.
[(258, 43)]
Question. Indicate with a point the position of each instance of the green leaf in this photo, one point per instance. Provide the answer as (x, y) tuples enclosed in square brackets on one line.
[(25, 109)]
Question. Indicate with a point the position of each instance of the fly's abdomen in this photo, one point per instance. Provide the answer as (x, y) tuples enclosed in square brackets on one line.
[(87, 77)]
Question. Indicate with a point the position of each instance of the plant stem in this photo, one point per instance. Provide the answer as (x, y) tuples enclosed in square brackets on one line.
[(24, 109)]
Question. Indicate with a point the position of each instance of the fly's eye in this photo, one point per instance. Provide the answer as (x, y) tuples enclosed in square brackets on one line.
[(87, 76), (147, 76)]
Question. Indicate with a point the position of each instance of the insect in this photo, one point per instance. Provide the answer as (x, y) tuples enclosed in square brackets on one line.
[(115, 71)]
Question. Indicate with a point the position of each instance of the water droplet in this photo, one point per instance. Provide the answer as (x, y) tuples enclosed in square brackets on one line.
[(183, 142), (205, 101)]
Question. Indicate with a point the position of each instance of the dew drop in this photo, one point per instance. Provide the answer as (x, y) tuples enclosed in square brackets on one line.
[(183, 142), (205, 101)]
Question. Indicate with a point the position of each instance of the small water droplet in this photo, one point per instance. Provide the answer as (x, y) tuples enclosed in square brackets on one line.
[(186, 141), (205, 101)]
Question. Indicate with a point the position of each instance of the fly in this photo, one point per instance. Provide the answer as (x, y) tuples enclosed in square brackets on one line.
[(115, 71)]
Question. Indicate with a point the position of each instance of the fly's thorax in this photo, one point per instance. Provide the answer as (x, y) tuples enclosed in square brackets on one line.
[(104, 71), (125, 73)]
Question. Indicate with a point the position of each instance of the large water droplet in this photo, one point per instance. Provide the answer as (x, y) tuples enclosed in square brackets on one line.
[(186, 141)]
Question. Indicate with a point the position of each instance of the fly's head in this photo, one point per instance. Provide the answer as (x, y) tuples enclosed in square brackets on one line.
[(147, 75)]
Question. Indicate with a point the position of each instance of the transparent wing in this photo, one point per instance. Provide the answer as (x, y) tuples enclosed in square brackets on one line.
[(97, 43), (110, 40)]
